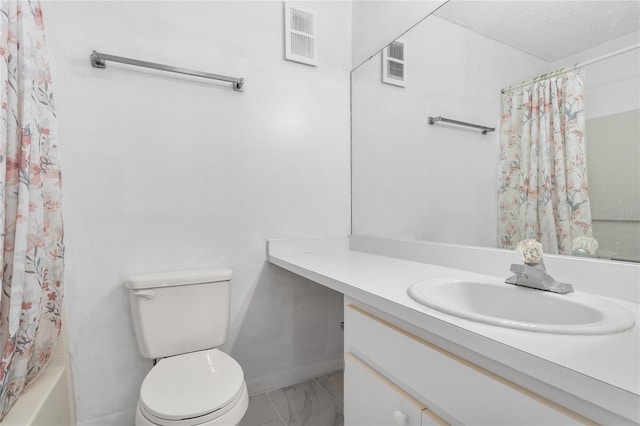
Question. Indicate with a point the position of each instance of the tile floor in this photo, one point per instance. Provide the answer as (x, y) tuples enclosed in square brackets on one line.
[(317, 402)]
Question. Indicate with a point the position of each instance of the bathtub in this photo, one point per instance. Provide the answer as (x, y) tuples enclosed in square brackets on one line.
[(49, 400)]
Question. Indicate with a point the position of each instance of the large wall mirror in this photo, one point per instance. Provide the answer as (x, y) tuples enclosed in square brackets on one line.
[(560, 84)]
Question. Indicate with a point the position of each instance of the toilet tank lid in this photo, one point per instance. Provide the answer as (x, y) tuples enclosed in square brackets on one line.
[(176, 278)]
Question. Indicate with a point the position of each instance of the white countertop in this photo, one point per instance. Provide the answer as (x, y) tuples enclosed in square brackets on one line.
[(603, 369)]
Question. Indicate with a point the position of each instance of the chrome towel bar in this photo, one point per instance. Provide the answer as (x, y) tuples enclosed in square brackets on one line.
[(485, 129), (98, 61)]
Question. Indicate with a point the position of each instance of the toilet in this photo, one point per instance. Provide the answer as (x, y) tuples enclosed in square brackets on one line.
[(180, 318)]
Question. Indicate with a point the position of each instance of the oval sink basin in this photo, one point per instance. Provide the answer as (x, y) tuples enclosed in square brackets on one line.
[(512, 306)]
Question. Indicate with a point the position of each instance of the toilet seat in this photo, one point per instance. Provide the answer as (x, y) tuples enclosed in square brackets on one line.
[(226, 416), (192, 389)]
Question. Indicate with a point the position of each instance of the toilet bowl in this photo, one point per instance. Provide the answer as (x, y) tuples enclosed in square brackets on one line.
[(199, 388), (181, 318)]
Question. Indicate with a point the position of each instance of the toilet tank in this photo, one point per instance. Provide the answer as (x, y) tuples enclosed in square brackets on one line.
[(179, 312)]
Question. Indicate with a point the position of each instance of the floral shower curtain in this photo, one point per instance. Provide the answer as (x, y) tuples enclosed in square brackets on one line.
[(30, 203), (542, 176)]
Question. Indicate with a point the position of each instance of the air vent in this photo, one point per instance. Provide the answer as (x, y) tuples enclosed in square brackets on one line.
[(300, 34), (393, 69)]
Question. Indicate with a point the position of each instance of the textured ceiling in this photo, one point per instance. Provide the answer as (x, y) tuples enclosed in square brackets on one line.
[(549, 30)]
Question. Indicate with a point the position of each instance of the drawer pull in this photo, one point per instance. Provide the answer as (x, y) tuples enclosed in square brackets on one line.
[(400, 418)]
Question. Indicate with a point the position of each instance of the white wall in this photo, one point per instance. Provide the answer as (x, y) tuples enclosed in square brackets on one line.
[(435, 183), (377, 23), (163, 172)]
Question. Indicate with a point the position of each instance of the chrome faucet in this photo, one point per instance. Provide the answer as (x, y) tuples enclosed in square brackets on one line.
[(533, 273), (535, 276)]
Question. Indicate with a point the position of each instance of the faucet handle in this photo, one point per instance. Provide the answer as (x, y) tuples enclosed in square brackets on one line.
[(530, 251)]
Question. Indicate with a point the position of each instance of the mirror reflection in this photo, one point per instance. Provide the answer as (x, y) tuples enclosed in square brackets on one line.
[(560, 84)]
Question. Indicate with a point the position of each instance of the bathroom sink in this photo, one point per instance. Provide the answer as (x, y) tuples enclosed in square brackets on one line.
[(512, 306)]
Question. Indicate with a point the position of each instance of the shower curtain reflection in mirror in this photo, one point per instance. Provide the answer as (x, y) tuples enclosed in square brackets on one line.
[(542, 172)]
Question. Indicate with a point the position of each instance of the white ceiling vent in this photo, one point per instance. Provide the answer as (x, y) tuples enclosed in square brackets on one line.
[(393, 69), (300, 34)]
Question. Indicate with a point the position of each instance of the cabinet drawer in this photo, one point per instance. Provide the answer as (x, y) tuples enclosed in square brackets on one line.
[(372, 400), (452, 386)]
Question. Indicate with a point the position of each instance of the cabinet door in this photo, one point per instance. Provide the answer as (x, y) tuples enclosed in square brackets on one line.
[(466, 392), (370, 399)]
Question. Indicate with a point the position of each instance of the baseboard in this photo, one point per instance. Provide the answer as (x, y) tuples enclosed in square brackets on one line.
[(293, 376)]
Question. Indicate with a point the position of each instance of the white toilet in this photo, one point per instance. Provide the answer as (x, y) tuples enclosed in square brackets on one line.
[(181, 317)]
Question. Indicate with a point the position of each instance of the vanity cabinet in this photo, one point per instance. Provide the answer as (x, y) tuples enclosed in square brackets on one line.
[(456, 390), (373, 400)]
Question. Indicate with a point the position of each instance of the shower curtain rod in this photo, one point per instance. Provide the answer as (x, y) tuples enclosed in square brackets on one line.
[(576, 66), (98, 61)]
